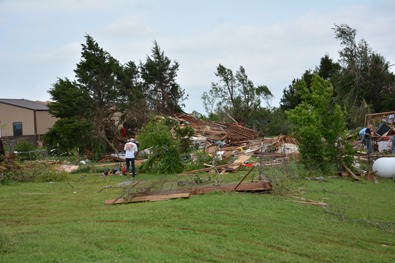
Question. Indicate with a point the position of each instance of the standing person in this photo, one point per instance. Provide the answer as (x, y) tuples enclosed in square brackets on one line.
[(367, 137), (393, 144), (362, 134), (131, 152)]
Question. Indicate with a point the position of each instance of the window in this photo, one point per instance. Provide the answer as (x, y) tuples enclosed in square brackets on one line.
[(17, 128)]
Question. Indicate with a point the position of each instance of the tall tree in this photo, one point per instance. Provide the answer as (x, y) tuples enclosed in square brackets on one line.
[(159, 74), (364, 75), (326, 70), (235, 94), (103, 87)]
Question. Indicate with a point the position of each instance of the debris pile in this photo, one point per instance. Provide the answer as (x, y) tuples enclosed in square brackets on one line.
[(225, 139)]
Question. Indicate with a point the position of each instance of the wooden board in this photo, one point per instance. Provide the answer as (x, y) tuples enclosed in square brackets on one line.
[(255, 186), (153, 198), (150, 198)]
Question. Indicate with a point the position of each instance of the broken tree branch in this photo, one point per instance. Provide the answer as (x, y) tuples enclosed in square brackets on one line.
[(105, 187), (350, 172)]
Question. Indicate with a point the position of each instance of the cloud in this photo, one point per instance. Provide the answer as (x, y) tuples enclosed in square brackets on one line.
[(274, 43), (127, 27)]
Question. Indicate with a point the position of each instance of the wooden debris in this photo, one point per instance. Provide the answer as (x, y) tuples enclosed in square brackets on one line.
[(149, 198), (244, 187), (352, 174), (371, 176), (126, 191), (105, 187), (309, 203)]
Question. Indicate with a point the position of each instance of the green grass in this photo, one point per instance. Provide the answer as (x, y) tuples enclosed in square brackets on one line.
[(74, 225)]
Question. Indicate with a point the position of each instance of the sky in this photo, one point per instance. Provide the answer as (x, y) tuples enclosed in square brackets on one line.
[(275, 41)]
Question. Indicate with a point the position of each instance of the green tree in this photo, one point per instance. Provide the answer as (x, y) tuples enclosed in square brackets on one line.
[(319, 126), (163, 94), (88, 107), (326, 70), (235, 95), (166, 157), (364, 77)]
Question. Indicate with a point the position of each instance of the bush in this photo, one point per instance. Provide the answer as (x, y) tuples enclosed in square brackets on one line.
[(319, 126), (34, 172), (166, 157), (25, 146)]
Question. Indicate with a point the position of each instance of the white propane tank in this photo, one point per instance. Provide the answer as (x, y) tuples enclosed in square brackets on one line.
[(385, 167)]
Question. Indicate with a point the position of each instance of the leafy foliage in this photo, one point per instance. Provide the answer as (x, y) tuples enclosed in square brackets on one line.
[(25, 146), (167, 153), (319, 126), (235, 95), (34, 172), (364, 78), (87, 107), (326, 70), (279, 123), (162, 92)]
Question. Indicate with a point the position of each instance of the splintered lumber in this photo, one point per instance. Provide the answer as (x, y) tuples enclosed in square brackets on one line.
[(240, 161), (352, 174), (234, 165), (255, 186), (126, 191), (149, 198), (153, 198)]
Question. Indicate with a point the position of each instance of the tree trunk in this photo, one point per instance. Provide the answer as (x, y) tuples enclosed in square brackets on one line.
[(109, 143)]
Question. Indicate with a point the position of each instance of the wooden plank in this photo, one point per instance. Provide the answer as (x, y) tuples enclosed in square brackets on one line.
[(255, 186), (150, 198), (119, 201), (350, 172), (153, 198)]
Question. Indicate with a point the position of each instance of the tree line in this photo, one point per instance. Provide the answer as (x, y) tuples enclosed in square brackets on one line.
[(106, 94), (361, 79)]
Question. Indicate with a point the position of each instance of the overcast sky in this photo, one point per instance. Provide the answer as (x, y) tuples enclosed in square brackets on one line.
[(275, 41)]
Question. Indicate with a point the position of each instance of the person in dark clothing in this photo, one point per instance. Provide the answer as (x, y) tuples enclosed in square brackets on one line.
[(367, 137)]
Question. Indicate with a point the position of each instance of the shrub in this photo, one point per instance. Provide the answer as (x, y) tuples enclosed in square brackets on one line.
[(25, 146), (166, 157), (34, 172), (319, 126)]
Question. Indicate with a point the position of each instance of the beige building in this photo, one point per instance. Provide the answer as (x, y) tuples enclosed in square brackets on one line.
[(21, 118)]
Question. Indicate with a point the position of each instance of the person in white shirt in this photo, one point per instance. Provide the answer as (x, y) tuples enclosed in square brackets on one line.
[(131, 152)]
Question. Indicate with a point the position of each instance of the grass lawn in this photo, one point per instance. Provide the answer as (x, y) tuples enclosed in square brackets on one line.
[(74, 225)]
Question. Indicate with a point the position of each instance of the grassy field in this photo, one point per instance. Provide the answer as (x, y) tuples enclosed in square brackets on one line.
[(74, 225)]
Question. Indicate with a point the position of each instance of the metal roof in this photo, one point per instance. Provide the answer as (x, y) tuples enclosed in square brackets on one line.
[(27, 104)]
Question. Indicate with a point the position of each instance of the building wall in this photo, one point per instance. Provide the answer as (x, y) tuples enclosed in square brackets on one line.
[(10, 114), (44, 121)]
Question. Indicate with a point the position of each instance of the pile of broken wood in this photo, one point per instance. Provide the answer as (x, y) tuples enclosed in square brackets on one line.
[(228, 138)]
